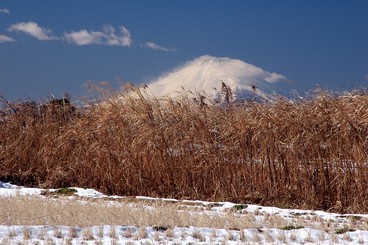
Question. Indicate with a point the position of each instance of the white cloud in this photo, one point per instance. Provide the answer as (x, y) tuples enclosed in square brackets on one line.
[(4, 11), (274, 77), (107, 36), (366, 77), (4, 39), (31, 28), (155, 46), (82, 37)]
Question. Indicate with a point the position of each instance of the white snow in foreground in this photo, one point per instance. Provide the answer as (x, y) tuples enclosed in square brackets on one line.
[(179, 235)]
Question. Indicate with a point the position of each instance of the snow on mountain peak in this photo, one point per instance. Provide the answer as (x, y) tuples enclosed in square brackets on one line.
[(206, 75)]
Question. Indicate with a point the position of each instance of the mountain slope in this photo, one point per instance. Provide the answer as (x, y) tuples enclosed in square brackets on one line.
[(207, 74)]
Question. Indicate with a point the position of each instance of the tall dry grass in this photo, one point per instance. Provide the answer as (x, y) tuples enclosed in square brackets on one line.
[(309, 153)]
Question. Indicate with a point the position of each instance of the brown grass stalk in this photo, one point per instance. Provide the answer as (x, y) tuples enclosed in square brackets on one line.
[(310, 153)]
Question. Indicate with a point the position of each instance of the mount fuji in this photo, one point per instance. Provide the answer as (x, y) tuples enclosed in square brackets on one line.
[(211, 76)]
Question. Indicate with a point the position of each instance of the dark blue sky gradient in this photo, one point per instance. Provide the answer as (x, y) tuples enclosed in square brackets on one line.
[(309, 42)]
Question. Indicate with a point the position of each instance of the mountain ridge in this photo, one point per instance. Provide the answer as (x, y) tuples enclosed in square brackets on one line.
[(208, 75)]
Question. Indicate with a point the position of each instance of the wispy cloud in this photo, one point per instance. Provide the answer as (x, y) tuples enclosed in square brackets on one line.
[(4, 11), (31, 28), (107, 36), (4, 39), (155, 46)]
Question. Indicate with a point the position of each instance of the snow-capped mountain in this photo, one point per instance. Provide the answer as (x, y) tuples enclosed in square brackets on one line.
[(208, 76)]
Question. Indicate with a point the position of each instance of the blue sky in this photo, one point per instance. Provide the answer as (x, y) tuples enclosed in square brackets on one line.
[(57, 46)]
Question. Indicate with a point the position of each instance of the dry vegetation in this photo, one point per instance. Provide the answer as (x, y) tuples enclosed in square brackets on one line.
[(75, 213), (160, 215), (309, 153)]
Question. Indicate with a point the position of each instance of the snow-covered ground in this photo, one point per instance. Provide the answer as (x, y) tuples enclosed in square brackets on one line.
[(302, 226)]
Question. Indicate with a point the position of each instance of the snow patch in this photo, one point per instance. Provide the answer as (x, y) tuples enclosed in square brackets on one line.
[(186, 235)]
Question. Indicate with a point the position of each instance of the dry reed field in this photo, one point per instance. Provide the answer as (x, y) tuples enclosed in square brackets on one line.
[(310, 153)]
